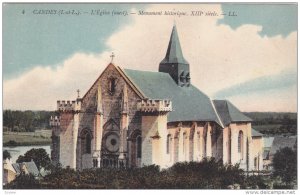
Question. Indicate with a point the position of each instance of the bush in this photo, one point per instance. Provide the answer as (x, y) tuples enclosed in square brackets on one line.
[(11, 143), (256, 181), (208, 174), (6, 155), (285, 165), (24, 181)]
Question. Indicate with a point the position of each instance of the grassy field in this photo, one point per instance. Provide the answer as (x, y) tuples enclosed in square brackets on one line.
[(27, 138)]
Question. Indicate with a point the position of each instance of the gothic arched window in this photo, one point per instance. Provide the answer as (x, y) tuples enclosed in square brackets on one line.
[(240, 144), (188, 78), (112, 85), (184, 143), (182, 77), (255, 163), (88, 140), (168, 143), (139, 147)]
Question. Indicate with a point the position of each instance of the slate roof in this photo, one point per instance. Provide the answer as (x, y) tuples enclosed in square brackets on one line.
[(268, 141), (255, 133), (31, 168), (229, 113), (174, 53), (189, 103), (282, 142), (16, 166)]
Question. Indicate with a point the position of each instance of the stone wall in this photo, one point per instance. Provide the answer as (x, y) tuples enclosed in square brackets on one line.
[(67, 156), (188, 142), (8, 176), (149, 129), (226, 145), (257, 153), (245, 156)]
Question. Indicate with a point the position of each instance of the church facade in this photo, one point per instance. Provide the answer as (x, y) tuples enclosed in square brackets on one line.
[(135, 118)]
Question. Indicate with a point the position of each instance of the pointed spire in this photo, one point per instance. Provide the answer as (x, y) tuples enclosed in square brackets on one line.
[(174, 52), (124, 100), (174, 62), (99, 99)]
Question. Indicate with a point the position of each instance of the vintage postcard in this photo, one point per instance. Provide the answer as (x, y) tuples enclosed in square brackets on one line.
[(150, 96)]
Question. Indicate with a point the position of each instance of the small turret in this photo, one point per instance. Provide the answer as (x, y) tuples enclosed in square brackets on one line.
[(54, 121)]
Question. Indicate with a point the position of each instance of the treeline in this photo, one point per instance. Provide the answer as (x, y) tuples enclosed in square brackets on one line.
[(268, 118), (25, 121), (274, 122), (265, 122)]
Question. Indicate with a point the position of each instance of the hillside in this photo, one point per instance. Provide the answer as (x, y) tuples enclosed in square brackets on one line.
[(274, 123)]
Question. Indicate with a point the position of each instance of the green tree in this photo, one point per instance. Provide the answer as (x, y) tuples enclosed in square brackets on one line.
[(28, 120), (39, 156), (285, 165), (6, 155)]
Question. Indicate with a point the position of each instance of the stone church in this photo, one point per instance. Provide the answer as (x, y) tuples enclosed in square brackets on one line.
[(133, 118)]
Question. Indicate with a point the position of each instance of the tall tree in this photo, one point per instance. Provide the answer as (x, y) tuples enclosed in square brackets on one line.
[(6, 155), (39, 156), (285, 165)]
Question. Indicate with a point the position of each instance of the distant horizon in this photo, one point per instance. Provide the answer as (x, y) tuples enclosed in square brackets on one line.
[(240, 110)]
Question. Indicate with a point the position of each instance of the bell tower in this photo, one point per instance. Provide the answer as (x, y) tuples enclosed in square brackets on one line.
[(174, 62)]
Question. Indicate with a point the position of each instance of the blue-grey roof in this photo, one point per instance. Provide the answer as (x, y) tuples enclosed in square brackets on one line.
[(189, 103), (268, 141), (17, 168), (31, 168), (174, 53), (229, 113), (255, 133)]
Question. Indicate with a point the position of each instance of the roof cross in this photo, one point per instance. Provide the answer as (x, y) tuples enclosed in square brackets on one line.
[(78, 91), (112, 57)]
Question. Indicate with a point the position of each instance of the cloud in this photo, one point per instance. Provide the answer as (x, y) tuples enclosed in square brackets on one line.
[(283, 100), (219, 57), (40, 87), (275, 19), (277, 82)]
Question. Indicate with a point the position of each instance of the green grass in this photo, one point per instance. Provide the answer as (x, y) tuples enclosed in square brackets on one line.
[(26, 138)]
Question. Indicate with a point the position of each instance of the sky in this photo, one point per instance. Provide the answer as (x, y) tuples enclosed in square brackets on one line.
[(246, 53)]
